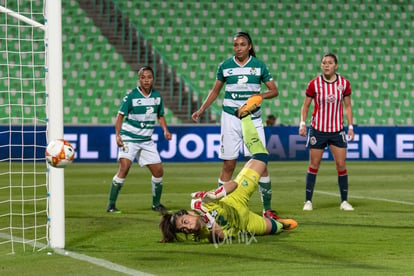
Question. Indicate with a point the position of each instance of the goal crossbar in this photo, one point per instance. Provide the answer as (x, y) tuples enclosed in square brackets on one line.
[(22, 18)]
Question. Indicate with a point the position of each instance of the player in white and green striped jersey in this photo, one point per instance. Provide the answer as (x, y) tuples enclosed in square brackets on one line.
[(141, 108), (241, 82), (242, 76)]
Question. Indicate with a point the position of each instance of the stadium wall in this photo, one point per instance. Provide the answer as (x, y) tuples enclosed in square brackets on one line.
[(200, 143)]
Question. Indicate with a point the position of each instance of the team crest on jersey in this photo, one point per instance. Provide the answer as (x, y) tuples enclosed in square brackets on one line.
[(331, 98), (313, 140), (340, 88), (252, 71)]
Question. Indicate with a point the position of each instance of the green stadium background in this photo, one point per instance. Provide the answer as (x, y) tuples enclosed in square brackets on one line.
[(106, 41)]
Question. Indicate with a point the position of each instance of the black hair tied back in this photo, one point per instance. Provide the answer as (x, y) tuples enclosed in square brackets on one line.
[(249, 39)]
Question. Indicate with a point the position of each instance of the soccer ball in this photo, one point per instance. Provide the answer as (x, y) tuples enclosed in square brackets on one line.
[(59, 153)]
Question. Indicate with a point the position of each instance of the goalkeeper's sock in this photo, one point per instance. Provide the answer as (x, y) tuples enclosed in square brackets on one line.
[(156, 183), (116, 187), (265, 189), (310, 183), (277, 227), (251, 137), (343, 184)]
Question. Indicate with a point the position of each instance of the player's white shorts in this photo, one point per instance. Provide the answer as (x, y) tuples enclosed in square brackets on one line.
[(146, 153), (231, 139)]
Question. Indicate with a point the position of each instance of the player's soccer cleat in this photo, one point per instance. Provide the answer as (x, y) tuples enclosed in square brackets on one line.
[(159, 208), (308, 206), (270, 214), (288, 224), (346, 206), (112, 209), (251, 105)]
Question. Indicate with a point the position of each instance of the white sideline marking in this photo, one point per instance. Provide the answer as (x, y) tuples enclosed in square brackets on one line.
[(368, 197), (96, 261), (101, 262)]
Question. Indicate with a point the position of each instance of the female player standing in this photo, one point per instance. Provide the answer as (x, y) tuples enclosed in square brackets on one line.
[(141, 108), (242, 74), (331, 93)]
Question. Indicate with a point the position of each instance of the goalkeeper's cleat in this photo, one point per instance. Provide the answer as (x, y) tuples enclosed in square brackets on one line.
[(112, 209), (270, 214), (288, 224), (251, 105), (159, 208)]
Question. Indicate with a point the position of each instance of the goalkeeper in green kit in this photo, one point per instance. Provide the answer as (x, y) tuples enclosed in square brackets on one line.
[(224, 213)]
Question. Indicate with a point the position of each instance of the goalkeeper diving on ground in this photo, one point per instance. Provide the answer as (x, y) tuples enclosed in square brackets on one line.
[(224, 213)]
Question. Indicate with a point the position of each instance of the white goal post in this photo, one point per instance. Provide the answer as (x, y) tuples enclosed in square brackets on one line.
[(54, 90), (53, 123)]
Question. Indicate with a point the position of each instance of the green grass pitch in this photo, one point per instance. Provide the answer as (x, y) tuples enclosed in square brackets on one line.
[(376, 239)]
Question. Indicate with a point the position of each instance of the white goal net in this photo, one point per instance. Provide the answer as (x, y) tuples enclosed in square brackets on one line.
[(24, 126)]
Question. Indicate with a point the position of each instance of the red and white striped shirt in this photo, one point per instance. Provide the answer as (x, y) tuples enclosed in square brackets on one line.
[(328, 115)]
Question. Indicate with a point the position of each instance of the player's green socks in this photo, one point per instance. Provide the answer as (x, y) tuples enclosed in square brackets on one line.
[(265, 189), (251, 137), (116, 186), (156, 183)]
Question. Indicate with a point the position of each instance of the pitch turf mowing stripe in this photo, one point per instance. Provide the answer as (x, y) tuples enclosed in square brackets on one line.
[(369, 198)]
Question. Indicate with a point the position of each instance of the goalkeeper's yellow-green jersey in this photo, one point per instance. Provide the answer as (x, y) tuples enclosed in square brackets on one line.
[(232, 213)]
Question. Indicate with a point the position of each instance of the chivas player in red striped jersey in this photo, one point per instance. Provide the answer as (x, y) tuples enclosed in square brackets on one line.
[(330, 93)]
